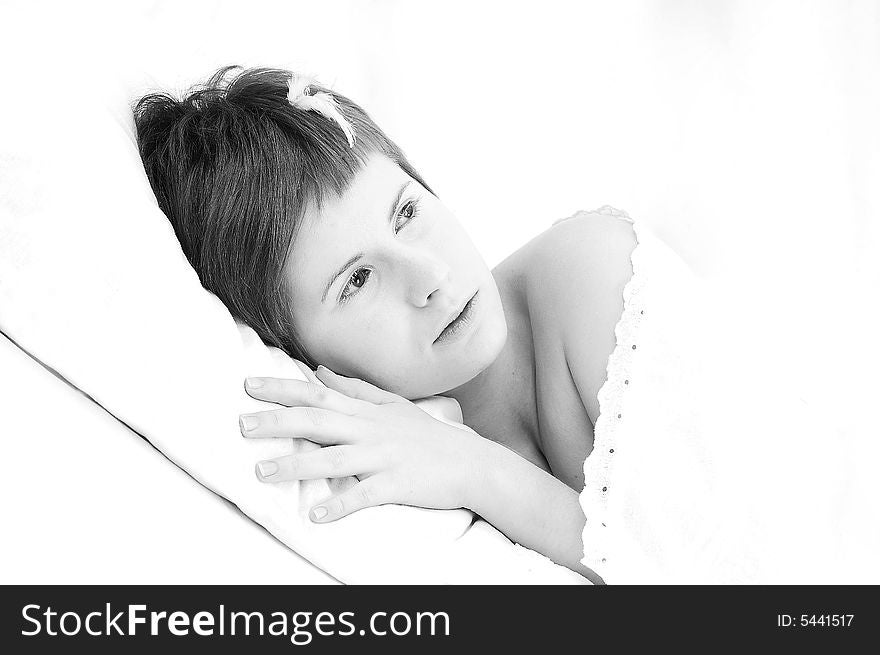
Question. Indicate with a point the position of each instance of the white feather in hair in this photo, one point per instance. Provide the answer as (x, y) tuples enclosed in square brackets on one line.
[(302, 97)]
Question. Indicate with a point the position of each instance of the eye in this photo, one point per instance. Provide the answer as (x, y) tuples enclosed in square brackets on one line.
[(408, 211), (357, 280)]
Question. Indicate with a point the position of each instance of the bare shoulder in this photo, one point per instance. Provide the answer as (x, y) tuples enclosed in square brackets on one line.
[(595, 243), (577, 270)]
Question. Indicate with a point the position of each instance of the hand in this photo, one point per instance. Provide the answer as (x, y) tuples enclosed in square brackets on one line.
[(399, 453)]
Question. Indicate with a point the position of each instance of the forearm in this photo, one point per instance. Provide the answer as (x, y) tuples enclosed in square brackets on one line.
[(529, 505)]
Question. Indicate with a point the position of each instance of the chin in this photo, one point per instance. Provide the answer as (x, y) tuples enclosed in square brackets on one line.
[(475, 360), (492, 336), (482, 350), (444, 381)]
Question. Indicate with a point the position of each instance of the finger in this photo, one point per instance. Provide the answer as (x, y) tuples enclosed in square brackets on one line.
[(332, 462), (356, 388), (366, 493), (322, 426), (299, 393), (308, 372)]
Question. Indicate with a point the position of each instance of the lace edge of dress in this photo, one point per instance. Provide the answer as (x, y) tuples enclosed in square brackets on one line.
[(598, 466)]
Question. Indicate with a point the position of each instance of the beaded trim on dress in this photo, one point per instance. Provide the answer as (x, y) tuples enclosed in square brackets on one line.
[(598, 467)]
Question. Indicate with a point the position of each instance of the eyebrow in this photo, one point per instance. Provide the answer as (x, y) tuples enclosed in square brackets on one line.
[(354, 259)]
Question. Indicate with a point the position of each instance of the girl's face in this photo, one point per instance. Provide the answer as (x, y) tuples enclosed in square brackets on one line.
[(376, 277)]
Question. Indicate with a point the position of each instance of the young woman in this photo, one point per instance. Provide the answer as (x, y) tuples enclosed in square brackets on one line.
[(312, 227)]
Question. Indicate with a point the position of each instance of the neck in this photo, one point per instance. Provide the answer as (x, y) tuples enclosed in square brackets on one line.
[(500, 402)]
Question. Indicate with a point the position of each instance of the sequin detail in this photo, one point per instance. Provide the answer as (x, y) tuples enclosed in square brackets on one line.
[(612, 397)]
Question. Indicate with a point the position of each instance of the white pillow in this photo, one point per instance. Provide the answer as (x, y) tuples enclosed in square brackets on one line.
[(93, 283)]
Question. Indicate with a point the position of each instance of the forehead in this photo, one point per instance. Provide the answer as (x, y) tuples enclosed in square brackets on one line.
[(343, 226)]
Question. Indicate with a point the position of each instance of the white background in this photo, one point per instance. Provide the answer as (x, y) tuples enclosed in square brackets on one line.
[(746, 133), (705, 118)]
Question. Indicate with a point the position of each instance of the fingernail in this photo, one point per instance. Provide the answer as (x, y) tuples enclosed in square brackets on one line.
[(319, 512), (248, 421), (254, 383), (267, 469), (323, 369)]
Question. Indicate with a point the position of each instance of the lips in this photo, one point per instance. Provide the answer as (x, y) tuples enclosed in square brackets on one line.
[(454, 315)]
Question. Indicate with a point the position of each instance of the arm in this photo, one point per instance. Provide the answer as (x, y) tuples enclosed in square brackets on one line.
[(528, 505), (401, 454), (586, 258)]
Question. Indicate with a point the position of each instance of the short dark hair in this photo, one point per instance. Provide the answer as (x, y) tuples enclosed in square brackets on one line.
[(233, 165)]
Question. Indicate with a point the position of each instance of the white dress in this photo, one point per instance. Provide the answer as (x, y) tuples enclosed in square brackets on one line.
[(706, 467)]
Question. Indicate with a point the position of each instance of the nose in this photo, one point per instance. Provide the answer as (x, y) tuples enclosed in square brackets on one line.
[(424, 274)]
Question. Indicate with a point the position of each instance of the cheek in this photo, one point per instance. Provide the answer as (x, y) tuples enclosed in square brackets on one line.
[(460, 248), (363, 346)]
